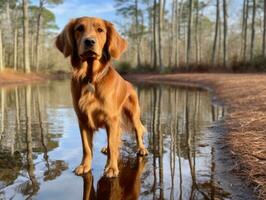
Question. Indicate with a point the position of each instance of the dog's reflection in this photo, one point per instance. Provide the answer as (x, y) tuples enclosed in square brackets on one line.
[(126, 186)]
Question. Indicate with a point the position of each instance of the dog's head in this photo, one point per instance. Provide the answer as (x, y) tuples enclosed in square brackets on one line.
[(90, 38)]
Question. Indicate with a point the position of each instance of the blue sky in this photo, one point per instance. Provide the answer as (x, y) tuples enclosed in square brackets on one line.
[(77, 8), (106, 9)]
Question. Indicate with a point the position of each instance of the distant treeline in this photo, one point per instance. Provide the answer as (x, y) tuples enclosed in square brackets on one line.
[(163, 35), (189, 35), (26, 36)]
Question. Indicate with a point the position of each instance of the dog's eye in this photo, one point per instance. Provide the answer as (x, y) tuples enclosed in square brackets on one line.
[(80, 28), (99, 30)]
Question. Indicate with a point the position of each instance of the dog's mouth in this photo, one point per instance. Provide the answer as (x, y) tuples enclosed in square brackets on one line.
[(89, 54)]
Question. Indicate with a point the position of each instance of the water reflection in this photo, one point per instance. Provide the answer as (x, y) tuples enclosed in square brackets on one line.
[(183, 166), (40, 146), (126, 186)]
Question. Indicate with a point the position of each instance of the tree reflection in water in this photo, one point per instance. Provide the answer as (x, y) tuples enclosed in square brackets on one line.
[(24, 136), (182, 167), (37, 149)]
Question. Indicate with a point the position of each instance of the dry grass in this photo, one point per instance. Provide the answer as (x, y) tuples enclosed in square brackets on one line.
[(245, 97)]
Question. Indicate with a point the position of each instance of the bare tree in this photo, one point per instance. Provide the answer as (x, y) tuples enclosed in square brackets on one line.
[(136, 32), (196, 31), (154, 36), (1, 52), (15, 48), (26, 37), (160, 33), (189, 28), (264, 30), (172, 33), (225, 33), (37, 50), (246, 13), (216, 31), (253, 29)]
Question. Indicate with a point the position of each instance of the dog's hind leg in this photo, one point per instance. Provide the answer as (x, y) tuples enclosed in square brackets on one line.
[(139, 131)]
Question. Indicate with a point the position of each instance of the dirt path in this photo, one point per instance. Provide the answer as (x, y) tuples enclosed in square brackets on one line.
[(244, 95), (9, 78)]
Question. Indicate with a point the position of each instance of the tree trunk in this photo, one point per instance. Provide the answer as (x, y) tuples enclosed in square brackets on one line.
[(253, 30), (37, 50), (189, 28), (154, 36), (216, 31), (160, 33), (1, 52), (225, 33), (172, 38), (176, 43), (136, 32), (32, 60), (150, 30), (264, 31), (15, 53), (3, 105), (220, 42), (26, 37), (181, 6), (196, 32), (246, 30), (243, 26)]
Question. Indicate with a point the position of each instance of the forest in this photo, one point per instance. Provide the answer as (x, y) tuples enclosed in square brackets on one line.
[(197, 67), (163, 35)]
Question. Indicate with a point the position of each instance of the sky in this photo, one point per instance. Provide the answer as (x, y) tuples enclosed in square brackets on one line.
[(77, 8), (106, 9)]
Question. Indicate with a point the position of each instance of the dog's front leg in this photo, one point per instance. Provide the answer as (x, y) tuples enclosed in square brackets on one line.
[(113, 135), (86, 137)]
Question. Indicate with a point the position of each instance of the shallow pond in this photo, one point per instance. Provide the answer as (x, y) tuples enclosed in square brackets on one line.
[(40, 146)]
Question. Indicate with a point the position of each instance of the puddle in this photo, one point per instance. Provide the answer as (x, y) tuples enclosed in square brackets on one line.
[(40, 146)]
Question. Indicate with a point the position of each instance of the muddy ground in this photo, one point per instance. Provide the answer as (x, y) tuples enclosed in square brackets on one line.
[(244, 95)]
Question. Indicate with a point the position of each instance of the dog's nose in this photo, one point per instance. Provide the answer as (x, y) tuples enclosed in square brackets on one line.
[(89, 42)]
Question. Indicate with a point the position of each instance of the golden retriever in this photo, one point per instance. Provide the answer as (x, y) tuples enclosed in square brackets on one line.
[(101, 97)]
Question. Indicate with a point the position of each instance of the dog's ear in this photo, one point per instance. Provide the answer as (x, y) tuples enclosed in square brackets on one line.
[(65, 42), (116, 45)]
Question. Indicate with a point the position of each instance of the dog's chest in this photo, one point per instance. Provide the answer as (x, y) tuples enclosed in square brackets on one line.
[(94, 108)]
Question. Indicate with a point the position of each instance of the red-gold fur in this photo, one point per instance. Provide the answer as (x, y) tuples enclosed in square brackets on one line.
[(113, 100)]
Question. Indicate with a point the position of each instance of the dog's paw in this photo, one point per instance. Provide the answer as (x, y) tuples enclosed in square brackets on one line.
[(111, 172), (82, 169), (104, 150), (142, 152)]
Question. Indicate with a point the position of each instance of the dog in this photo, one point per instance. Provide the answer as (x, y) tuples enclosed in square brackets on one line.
[(101, 97), (126, 186)]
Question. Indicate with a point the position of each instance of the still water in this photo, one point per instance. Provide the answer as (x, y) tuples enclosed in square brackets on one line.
[(40, 146)]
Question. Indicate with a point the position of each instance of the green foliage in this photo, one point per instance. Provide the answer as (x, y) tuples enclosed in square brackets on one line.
[(258, 64), (48, 17), (56, 2), (124, 67), (12, 4)]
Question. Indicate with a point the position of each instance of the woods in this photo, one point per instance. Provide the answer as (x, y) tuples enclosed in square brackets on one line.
[(185, 34), (27, 33), (163, 35)]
